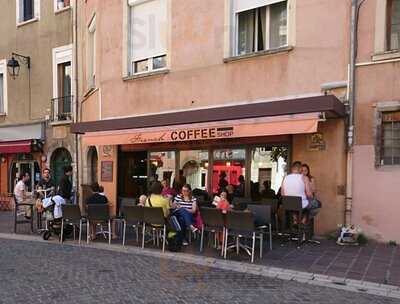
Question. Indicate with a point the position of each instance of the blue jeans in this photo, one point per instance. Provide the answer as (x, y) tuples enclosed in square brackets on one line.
[(184, 216)]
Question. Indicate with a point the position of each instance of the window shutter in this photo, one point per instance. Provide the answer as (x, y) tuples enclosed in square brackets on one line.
[(244, 5), (36, 8), (1, 92), (148, 29)]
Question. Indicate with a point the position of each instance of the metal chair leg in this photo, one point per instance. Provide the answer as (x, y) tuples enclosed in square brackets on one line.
[(261, 244), (74, 232), (223, 242), (109, 232), (202, 239), (80, 231), (270, 237), (143, 234), (164, 238), (253, 247), (87, 231), (123, 234), (237, 245), (62, 231), (226, 242)]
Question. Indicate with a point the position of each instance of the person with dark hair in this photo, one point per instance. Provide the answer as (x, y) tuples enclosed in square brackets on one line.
[(179, 181), (65, 186), (155, 199), (97, 197), (222, 183), (167, 190), (268, 192), (305, 170), (239, 192), (185, 206), (21, 195), (46, 184)]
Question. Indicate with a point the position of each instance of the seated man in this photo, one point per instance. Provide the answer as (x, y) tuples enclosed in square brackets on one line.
[(97, 197), (21, 195)]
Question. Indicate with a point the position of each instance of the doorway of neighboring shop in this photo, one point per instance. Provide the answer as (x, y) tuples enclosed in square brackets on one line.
[(18, 168), (59, 160)]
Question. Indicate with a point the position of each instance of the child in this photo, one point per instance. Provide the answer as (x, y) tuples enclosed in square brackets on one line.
[(223, 203), (142, 200)]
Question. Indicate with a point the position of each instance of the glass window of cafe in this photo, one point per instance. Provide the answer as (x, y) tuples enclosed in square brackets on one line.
[(252, 171)]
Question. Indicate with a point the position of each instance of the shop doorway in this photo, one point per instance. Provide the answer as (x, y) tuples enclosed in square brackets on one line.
[(132, 174), (19, 168), (59, 159), (92, 160)]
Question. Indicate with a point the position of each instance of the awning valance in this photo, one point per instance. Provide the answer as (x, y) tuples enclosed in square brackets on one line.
[(267, 126), (19, 146)]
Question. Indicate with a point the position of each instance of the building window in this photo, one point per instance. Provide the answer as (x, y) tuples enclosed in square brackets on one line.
[(393, 25), (390, 143), (148, 35), (3, 87), (91, 54), (62, 84), (27, 10), (61, 4), (260, 27)]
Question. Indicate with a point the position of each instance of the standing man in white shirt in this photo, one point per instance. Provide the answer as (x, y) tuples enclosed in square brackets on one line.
[(21, 195), (297, 184)]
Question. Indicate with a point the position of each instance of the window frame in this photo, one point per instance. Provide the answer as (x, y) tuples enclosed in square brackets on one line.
[(381, 109), (36, 12), (234, 50), (57, 10), (127, 50), (388, 30), (3, 70), (91, 54)]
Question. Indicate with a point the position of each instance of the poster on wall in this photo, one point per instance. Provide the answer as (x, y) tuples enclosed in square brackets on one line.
[(107, 171)]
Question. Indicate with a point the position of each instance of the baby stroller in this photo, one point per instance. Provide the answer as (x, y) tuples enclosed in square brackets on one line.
[(53, 218)]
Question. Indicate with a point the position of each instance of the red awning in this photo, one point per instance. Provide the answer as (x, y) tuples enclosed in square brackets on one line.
[(19, 146)]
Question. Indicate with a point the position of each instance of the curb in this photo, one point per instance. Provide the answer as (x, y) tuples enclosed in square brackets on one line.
[(243, 267)]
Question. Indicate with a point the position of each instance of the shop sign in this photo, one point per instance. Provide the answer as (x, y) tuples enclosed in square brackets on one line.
[(107, 171), (183, 135), (317, 142)]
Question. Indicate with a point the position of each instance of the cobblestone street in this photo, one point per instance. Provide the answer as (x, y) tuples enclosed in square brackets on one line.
[(34, 272)]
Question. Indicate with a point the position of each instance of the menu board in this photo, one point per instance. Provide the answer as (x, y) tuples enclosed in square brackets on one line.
[(107, 171)]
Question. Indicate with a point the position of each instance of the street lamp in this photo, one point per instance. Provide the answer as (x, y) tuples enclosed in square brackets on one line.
[(14, 66)]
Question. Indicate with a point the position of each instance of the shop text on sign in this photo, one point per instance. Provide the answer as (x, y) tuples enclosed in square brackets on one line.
[(183, 135)]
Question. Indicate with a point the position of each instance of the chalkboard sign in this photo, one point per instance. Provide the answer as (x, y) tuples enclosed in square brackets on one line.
[(107, 171)]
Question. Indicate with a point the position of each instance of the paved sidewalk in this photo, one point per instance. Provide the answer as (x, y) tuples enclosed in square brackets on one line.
[(377, 263), (45, 272)]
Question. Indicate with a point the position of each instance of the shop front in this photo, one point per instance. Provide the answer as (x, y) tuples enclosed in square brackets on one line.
[(20, 153), (248, 151)]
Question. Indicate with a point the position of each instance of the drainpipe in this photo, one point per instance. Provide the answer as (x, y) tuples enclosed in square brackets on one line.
[(76, 118), (355, 9)]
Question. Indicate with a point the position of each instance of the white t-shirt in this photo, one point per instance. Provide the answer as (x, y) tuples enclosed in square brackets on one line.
[(19, 191), (293, 185)]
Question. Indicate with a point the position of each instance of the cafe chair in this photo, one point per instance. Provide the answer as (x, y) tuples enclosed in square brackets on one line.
[(263, 221), (132, 216), (273, 203), (99, 214), (153, 218), (240, 225), (71, 216), (18, 211), (213, 222), (240, 203)]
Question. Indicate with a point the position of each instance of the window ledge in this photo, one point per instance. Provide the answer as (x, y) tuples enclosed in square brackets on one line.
[(386, 55), (61, 10), (280, 50), (19, 24), (61, 122), (145, 75), (388, 168), (3, 114)]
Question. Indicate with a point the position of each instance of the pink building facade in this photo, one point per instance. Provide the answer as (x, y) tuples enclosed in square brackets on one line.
[(150, 68)]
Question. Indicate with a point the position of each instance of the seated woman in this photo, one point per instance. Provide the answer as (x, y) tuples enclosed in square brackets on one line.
[(185, 206), (167, 190), (155, 199)]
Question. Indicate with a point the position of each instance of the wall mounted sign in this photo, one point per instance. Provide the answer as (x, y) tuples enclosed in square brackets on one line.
[(107, 150), (317, 142), (106, 171)]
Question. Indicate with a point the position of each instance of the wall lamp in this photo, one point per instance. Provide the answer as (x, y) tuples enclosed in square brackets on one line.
[(14, 66)]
